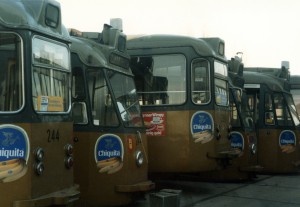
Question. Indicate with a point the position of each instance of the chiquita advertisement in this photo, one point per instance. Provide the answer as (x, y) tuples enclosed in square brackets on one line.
[(14, 152)]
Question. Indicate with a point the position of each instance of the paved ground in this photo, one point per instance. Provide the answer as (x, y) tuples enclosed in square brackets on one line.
[(264, 191)]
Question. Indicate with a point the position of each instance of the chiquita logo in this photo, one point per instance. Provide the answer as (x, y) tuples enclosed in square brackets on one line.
[(109, 153), (237, 141), (202, 127), (14, 152), (287, 141)]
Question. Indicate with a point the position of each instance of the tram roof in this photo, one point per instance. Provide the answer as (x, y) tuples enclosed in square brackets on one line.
[(33, 15), (274, 83), (94, 54), (203, 46)]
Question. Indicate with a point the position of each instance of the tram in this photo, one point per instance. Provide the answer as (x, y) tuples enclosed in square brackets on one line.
[(182, 83), (110, 149), (243, 134), (36, 160), (275, 117)]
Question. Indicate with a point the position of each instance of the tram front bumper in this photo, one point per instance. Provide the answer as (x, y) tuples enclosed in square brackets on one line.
[(60, 198), (138, 187)]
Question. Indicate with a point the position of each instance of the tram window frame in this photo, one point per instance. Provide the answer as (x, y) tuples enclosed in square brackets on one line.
[(51, 80), (155, 80), (12, 94), (200, 85)]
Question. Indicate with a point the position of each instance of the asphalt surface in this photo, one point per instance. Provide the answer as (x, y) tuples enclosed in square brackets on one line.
[(263, 191)]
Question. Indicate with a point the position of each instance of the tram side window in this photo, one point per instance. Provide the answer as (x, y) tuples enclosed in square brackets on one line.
[(221, 85), (200, 82), (11, 80), (103, 110), (221, 94), (282, 112), (160, 79), (50, 76)]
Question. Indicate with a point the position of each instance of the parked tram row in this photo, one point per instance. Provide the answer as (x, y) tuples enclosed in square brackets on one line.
[(89, 118)]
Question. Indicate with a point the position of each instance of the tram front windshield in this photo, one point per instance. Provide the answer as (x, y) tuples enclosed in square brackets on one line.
[(292, 109), (124, 90), (102, 102)]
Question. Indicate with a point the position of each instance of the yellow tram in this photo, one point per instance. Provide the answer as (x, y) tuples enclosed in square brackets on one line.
[(110, 153), (36, 160), (182, 83), (275, 117), (243, 134)]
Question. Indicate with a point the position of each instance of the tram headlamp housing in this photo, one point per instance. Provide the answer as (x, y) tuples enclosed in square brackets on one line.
[(139, 158), (39, 154), (39, 168)]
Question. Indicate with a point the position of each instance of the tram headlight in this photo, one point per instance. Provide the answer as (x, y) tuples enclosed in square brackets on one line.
[(39, 168), (39, 154), (139, 158), (253, 148), (69, 162), (69, 149)]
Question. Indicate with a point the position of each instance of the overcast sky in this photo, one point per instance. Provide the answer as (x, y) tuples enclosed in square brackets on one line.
[(266, 31)]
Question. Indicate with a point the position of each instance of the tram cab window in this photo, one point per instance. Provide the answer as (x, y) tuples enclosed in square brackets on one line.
[(50, 76), (200, 82), (11, 79), (160, 79), (124, 90), (282, 112), (292, 108), (103, 110), (269, 113)]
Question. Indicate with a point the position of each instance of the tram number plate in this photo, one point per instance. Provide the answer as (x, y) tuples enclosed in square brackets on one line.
[(53, 135)]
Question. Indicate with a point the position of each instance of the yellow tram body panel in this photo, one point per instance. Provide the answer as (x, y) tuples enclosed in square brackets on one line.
[(109, 188), (177, 149), (274, 157), (55, 185)]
